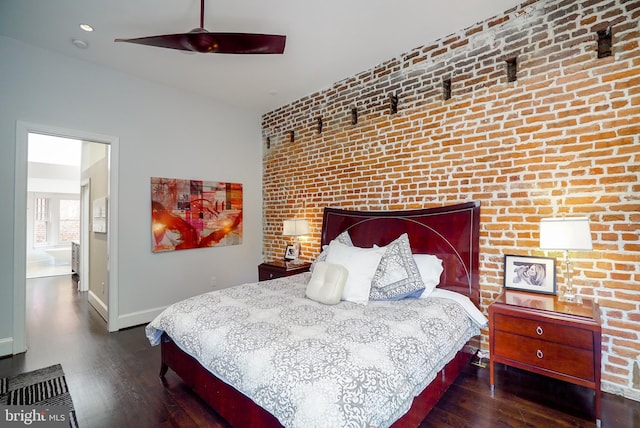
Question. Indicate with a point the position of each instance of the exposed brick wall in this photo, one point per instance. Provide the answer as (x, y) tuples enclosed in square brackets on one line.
[(562, 138)]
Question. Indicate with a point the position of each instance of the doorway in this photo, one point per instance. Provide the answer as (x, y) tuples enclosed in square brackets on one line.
[(20, 227), (53, 204)]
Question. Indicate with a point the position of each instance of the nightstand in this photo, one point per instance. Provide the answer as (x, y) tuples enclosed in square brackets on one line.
[(541, 334), (279, 269)]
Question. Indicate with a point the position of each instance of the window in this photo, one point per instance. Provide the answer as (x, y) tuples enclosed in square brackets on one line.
[(41, 221), (69, 220), (56, 219)]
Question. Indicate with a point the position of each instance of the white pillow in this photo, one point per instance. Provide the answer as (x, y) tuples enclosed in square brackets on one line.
[(327, 283), (430, 268), (343, 237), (361, 264)]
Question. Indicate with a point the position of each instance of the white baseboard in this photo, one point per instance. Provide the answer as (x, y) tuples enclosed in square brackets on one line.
[(98, 305), (127, 320), (6, 346), (138, 318)]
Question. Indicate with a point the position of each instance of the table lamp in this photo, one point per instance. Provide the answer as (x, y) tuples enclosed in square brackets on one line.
[(296, 228), (566, 234)]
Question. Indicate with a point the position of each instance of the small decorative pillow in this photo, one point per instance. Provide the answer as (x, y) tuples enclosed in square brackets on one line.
[(397, 276), (327, 283), (430, 268), (343, 238), (361, 264)]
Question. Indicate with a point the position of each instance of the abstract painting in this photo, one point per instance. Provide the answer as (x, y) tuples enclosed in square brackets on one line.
[(194, 214)]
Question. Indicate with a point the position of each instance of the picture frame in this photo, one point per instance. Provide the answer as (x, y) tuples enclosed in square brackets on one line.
[(188, 214), (99, 223), (291, 252), (530, 273)]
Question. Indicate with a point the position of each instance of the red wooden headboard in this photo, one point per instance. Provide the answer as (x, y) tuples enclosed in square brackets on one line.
[(452, 233)]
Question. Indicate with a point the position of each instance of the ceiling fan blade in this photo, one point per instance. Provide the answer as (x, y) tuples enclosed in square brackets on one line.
[(200, 40), (171, 41), (248, 43)]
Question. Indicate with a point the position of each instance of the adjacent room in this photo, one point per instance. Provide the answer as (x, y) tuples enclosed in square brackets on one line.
[(53, 206), (361, 214)]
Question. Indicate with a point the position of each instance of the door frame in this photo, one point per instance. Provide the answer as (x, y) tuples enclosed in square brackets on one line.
[(20, 224), (85, 198)]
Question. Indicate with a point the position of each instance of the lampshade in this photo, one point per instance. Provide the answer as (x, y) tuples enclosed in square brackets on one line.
[(295, 227), (565, 233)]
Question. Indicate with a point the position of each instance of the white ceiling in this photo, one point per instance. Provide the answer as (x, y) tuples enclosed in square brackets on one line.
[(54, 150), (327, 40)]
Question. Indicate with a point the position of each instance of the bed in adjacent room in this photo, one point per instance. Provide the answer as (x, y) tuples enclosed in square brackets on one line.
[(373, 336)]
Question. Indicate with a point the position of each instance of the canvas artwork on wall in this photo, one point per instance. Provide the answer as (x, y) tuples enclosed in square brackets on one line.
[(194, 214)]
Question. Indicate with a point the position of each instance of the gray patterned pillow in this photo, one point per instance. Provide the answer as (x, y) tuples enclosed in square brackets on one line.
[(397, 275), (343, 238)]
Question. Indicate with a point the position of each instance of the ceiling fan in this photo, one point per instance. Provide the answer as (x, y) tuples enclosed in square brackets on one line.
[(201, 40)]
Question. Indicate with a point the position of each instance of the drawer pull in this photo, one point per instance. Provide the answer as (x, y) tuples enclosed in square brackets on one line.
[(539, 330), (539, 354)]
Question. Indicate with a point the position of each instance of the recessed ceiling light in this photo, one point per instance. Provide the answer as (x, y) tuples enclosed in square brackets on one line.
[(86, 27), (80, 43)]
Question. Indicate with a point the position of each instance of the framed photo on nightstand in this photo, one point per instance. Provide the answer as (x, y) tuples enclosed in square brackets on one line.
[(526, 273), (291, 253)]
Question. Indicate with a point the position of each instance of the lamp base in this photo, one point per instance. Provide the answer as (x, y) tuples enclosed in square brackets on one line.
[(569, 296)]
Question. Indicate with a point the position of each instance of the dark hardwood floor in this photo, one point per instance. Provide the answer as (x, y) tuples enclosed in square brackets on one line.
[(113, 378)]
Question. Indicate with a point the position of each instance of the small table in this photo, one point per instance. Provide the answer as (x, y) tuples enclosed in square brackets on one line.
[(544, 335), (280, 268)]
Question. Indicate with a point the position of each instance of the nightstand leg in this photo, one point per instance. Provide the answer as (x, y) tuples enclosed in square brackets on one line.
[(491, 379)]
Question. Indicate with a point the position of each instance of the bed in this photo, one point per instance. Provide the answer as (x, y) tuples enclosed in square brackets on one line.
[(315, 360)]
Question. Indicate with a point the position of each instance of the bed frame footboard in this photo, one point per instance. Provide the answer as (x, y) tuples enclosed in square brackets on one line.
[(236, 408), (241, 412)]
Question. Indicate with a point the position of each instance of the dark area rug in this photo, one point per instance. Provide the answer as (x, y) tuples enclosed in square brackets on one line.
[(39, 388)]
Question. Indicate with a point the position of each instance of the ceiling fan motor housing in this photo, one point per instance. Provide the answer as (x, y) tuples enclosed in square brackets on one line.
[(200, 40)]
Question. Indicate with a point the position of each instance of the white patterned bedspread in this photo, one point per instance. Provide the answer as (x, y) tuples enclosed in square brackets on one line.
[(314, 365)]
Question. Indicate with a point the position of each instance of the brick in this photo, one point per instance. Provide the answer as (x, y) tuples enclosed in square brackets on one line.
[(624, 329), (618, 361), (617, 370), (631, 347)]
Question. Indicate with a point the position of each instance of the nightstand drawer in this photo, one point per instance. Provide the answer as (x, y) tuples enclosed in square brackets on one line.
[(266, 273), (551, 332), (555, 357), (280, 269)]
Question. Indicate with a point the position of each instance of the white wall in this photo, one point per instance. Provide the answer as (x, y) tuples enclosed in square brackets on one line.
[(162, 132)]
